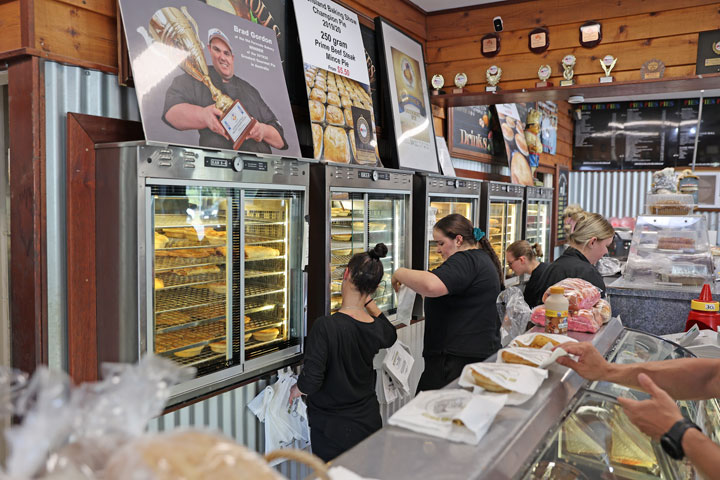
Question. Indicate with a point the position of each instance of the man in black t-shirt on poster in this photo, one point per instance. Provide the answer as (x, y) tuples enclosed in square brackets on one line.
[(190, 106)]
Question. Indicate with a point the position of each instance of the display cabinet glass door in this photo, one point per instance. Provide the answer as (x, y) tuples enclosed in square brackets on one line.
[(386, 224), (192, 228), (347, 237), (272, 278), (358, 221), (439, 208), (496, 229), (538, 226)]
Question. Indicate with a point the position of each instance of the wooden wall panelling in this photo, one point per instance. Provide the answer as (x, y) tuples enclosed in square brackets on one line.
[(76, 32), (28, 289), (528, 15), (401, 13), (634, 31), (83, 132), (10, 31)]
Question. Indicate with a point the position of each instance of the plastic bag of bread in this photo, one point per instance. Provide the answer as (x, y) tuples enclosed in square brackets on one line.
[(584, 320), (519, 382), (602, 311), (515, 313), (580, 293), (187, 455), (70, 432)]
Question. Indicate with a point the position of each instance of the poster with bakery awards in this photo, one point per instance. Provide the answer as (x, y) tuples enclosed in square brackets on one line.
[(337, 83), (513, 132), (410, 121), (191, 59)]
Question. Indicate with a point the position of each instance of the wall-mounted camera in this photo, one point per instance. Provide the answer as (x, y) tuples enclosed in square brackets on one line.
[(498, 24)]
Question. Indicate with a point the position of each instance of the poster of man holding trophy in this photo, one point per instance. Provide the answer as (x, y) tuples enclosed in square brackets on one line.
[(226, 93)]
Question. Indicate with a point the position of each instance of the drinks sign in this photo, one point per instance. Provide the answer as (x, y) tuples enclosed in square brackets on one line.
[(470, 132)]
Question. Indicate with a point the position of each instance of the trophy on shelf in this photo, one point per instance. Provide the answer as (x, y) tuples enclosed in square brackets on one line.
[(177, 29), (460, 82), (544, 73), (607, 63), (568, 63), (437, 83), (493, 75)]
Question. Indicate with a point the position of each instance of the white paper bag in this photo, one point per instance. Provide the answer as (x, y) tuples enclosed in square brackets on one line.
[(454, 414), (406, 300), (523, 381), (398, 363), (527, 338)]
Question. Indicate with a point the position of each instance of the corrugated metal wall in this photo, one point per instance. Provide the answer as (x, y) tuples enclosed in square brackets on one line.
[(77, 90), (617, 194)]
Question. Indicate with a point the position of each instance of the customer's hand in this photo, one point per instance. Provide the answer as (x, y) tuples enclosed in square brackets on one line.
[(590, 363), (655, 416), (294, 393)]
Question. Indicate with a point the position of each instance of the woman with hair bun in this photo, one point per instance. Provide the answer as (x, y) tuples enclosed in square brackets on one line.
[(338, 375), (461, 321), (523, 259), (588, 241)]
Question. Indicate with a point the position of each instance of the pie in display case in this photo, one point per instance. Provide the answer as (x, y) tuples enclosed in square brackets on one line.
[(439, 209)]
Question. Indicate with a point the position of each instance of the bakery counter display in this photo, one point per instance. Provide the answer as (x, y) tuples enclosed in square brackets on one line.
[(668, 251), (597, 440), (266, 275), (190, 285), (440, 209), (385, 220)]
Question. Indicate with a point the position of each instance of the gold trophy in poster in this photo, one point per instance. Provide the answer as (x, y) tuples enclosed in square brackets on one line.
[(177, 29)]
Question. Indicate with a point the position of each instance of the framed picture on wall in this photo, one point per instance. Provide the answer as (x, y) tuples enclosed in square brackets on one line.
[(470, 132), (409, 124)]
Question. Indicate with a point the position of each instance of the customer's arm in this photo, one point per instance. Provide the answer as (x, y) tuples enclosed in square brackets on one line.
[(702, 452), (682, 379), (424, 283)]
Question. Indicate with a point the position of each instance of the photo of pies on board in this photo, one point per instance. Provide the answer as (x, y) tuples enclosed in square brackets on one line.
[(317, 134), (520, 170), (507, 132), (521, 143), (336, 145), (317, 111)]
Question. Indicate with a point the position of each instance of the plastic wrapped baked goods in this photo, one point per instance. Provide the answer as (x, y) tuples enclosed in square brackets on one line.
[(317, 94), (317, 111), (676, 243), (581, 294), (584, 320), (187, 455), (335, 115), (317, 134), (602, 311), (336, 145)]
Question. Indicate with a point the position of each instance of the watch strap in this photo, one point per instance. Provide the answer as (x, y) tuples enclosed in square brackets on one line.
[(675, 435)]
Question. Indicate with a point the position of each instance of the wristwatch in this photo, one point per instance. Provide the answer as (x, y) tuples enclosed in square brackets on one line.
[(672, 440)]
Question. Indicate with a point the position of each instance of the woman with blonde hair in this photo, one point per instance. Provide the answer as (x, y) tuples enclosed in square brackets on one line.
[(588, 241), (523, 259)]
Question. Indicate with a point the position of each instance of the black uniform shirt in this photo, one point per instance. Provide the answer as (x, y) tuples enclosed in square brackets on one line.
[(185, 89), (464, 322), (571, 264), (533, 288), (338, 375)]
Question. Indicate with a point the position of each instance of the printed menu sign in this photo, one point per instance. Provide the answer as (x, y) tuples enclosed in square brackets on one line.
[(337, 83), (330, 38)]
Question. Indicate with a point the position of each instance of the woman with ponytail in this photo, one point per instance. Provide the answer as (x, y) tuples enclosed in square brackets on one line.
[(523, 259), (338, 375), (461, 321)]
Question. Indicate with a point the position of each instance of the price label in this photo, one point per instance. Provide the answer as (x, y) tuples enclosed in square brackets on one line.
[(343, 71)]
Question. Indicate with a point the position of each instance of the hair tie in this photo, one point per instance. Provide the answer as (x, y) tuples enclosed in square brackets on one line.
[(478, 234)]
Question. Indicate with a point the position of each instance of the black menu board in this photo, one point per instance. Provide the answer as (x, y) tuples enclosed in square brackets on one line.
[(599, 140), (708, 145), (650, 132), (686, 117)]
